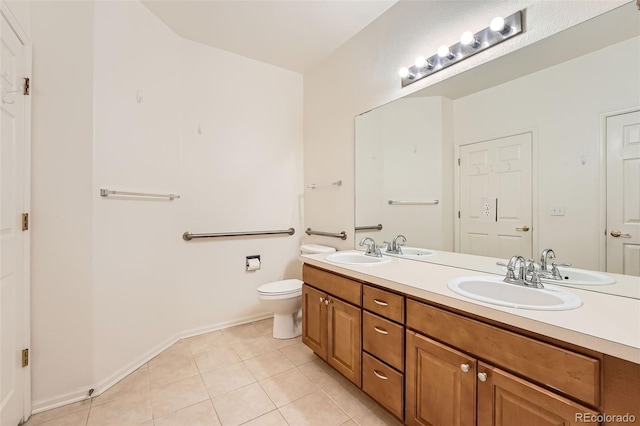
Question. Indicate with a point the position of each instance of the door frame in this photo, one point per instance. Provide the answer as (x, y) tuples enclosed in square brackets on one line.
[(534, 183), (15, 26), (602, 183)]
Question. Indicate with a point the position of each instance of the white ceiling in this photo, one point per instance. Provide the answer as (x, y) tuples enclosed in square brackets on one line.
[(294, 34)]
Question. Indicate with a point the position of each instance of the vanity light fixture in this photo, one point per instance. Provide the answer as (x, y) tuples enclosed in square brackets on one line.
[(499, 30)]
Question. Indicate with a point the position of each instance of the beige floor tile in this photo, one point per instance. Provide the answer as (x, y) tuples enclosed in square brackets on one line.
[(175, 396), (179, 349), (352, 400), (172, 370), (242, 405), (268, 365), (241, 332), (349, 423), (283, 343), (273, 418), (133, 410), (212, 360), (264, 327), (78, 418), (251, 348), (201, 414), (59, 412), (377, 416), (134, 383), (317, 369), (214, 340), (227, 379), (287, 387), (314, 410), (298, 354)]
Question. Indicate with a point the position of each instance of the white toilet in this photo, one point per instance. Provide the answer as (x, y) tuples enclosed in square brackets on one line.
[(284, 299)]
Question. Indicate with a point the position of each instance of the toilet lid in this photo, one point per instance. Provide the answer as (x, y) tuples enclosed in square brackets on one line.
[(281, 287)]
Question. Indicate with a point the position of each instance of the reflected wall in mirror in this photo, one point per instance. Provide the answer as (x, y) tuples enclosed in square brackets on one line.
[(531, 130)]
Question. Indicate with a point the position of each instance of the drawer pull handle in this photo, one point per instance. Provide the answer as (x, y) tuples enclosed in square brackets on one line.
[(464, 368), (482, 377), (380, 330), (381, 302), (379, 375)]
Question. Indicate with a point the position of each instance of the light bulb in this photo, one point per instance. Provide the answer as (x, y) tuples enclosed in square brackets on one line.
[(445, 52), (404, 72), (497, 24), (468, 39), (421, 62)]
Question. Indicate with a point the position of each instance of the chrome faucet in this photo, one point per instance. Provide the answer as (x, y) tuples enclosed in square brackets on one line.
[(372, 248), (523, 270), (396, 247), (547, 254)]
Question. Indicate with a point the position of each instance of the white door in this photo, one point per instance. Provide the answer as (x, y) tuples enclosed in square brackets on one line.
[(500, 170), (13, 241), (623, 194)]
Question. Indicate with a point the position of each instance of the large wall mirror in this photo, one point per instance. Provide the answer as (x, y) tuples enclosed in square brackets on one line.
[(537, 149)]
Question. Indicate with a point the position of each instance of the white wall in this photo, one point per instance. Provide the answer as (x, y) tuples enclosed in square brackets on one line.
[(403, 152), (113, 280), (363, 74), (563, 106), (61, 199)]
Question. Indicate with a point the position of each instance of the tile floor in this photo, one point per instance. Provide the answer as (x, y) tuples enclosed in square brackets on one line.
[(237, 376)]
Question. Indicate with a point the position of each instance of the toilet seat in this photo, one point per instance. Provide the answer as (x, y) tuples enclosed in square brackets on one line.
[(281, 288)]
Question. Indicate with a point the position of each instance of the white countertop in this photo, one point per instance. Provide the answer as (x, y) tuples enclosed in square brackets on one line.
[(604, 323)]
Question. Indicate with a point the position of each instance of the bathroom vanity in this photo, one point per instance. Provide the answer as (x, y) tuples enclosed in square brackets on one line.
[(432, 357)]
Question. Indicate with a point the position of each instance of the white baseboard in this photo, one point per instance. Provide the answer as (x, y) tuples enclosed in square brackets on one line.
[(103, 385)]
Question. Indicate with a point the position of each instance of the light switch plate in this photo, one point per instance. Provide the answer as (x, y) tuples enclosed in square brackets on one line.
[(557, 210)]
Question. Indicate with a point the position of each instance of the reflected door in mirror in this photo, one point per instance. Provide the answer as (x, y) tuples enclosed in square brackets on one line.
[(498, 169)]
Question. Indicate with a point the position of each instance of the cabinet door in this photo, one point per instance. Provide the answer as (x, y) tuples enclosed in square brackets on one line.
[(345, 339), (505, 400), (441, 384), (314, 320)]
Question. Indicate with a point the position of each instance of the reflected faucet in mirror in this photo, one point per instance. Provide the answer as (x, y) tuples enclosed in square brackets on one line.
[(395, 247)]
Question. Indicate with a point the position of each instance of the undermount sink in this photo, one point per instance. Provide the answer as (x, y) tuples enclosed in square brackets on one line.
[(575, 276), (355, 258), (495, 291)]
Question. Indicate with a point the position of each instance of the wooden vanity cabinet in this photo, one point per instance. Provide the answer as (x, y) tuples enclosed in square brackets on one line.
[(331, 327)]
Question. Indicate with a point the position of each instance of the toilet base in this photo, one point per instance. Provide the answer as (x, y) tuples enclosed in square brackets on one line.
[(287, 326)]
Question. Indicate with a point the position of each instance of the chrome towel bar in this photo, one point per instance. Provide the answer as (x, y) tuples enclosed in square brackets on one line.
[(188, 236), (416, 203), (342, 235), (107, 192), (377, 227)]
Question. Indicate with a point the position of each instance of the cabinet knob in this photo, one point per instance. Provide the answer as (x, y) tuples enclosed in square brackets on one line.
[(464, 368), (321, 299), (327, 301), (482, 377)]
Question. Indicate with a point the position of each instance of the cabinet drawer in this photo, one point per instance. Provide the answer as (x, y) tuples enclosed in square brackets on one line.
[(336, 285), (383, 384), (569, 372), (384, 339), (384, 303)]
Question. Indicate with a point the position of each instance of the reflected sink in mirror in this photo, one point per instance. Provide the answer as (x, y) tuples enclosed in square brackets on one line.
[(413, 252), (575, 276), (495, 291), (355, 258)]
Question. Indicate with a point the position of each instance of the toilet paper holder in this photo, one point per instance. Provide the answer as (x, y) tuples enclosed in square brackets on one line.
[(251, 264)]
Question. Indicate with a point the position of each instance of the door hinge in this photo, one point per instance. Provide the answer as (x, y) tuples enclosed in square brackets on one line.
[(458, 214), (458, 161), (25, 221), (27, 82), (25, 357)]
